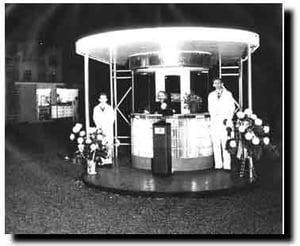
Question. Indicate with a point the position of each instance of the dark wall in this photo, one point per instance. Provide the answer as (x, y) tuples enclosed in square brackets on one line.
[(63, 24)]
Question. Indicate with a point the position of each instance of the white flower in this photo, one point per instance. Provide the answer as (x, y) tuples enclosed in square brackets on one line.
[(80, 140), (258, 122), (242, 129), (99, 137), (163, 106), (253, 116), (240, 114), (72, 137), (232, 144), (266, 129), (255, 140), (88, 141), (93, 147), (77, 127), (82, 133), (80, 147), (249, 135), (248, 111), (266, 140)]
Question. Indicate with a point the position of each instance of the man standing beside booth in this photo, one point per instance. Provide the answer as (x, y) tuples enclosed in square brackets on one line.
[(104, 117), (220, 107)]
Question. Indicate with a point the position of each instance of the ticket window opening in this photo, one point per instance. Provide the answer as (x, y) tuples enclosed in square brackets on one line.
[(172, 85)]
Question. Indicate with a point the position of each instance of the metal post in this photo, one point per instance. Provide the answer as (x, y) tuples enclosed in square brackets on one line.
[(86, 92), (249, 79), (115, 100), (220, 66), (241, 85), (132, 91), (250, 105), (111, 76)]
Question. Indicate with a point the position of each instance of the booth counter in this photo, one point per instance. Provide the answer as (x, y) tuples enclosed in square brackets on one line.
[(191, 145)]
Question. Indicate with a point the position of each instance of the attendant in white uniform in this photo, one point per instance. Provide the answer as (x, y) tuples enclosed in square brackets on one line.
[(104, 118), (221, 107)]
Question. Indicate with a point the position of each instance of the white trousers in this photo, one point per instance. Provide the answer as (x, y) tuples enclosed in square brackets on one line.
[(219, 139)]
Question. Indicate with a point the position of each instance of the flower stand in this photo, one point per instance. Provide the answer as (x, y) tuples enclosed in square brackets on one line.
[(252, 173)]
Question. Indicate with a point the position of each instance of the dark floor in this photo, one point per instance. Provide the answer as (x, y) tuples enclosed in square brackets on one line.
[(43, 194)]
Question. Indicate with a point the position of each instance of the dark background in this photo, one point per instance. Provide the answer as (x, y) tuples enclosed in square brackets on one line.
[(63, 24)]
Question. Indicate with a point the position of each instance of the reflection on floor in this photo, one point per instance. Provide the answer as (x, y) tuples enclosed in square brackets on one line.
[(122, 177)]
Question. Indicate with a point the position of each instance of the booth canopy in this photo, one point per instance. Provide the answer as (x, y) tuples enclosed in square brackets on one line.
[(230, 44)]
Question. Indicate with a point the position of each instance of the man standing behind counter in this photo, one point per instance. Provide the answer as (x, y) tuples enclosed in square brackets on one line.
[(220, 107)]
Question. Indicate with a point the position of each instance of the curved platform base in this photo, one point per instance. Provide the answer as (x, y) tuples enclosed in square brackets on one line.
[(123, 178), (188, 164)]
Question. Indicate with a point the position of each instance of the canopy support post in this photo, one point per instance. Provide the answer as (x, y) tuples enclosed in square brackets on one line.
[(241, 85), (132, 91), (86, 92), (115, 101), (249, 79), (220, 66), (251, 166), (111, 76)]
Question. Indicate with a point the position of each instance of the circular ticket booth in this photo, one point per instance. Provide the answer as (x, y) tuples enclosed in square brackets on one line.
[(178, 60), (170, 71)]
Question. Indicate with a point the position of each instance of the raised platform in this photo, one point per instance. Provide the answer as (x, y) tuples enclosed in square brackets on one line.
[(123, 178)]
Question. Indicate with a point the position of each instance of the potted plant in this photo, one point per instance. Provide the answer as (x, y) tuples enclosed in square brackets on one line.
[(193, 102), (91, 146)]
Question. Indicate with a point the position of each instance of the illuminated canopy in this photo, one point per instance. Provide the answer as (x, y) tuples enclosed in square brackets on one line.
[(231, 44)]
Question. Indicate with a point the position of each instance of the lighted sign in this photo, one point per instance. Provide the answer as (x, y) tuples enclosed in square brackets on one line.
[(159, 130)]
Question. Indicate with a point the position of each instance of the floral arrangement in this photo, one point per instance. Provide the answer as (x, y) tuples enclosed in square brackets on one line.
[(248, 136), (91, 146), (193, 101)]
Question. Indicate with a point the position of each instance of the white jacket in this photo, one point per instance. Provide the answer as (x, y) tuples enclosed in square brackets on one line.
[(104, 119), (221, 108)]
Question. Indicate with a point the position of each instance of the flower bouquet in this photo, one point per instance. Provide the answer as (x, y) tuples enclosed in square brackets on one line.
[(193, 102), (248, 137), (91, 146)]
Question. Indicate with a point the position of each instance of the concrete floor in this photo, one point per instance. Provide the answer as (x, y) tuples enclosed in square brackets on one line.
[(44, 195)]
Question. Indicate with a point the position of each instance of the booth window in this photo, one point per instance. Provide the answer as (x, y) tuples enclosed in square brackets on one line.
[(199, 86), (27, 75), (52, 76), (144, 91), (172, 85)]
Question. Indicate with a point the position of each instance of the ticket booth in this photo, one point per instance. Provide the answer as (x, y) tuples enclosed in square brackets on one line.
[(180, 61)]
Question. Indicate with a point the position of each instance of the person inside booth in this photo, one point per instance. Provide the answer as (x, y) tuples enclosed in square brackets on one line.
[(163, 106)]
